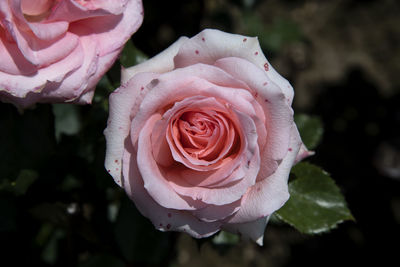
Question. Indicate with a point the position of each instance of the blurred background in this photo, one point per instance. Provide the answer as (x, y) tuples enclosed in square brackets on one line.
[(58, 206)]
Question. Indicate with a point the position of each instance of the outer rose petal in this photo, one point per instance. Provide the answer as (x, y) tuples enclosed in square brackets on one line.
[(303, 153), (269, 195), (119, 121), (278, 113), (212, 45), (161, 63), (41, 62), (163, 219), (111, 32), (251, 230), (18, 87)]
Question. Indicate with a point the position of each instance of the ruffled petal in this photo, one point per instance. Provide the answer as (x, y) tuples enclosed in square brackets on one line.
[(111, 32), (160, 63), (162, 218), (119, 122), (268, 195), (73, 10), (210, 45), (154, 181), (279, 115), (176, 85), (26, 90), (251, 230), (303, 153), (248, 159), (12, 60), (42, 52)]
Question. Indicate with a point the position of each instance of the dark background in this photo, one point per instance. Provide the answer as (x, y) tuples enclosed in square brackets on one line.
[(342, 58)]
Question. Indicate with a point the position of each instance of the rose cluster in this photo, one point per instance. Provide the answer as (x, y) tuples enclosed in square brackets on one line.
[(57, 50), (202, 137)]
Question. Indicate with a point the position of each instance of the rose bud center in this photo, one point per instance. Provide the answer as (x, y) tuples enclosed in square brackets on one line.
[(207, 135)]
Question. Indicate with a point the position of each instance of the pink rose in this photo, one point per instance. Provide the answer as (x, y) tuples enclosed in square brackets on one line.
[(57, 50), (202, 138)]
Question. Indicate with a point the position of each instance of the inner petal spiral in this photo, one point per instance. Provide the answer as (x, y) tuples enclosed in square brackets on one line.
[(204, 136)]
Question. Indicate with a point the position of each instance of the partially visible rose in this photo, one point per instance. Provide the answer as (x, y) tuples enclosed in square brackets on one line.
[(202, 138), (57, 50)]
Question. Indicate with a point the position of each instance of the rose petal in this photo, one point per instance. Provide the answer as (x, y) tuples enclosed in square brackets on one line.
[(111, 32), (12, 60), (162, 218), (303, 153), (199, 79), (154, 182), (212, 45), (23, 90), (178, 152), (72, 10), (219, 195), (118, 126), (161, 63), (279, 115), (213, 213), (35, 7), (251, 230), (268, 195), (41, 52), (248, 157)]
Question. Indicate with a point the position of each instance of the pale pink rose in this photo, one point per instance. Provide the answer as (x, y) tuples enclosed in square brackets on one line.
[(202, 138), (57, 50)]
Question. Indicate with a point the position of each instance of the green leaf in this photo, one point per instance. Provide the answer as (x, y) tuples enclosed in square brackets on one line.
[(316, 204), (24, 180), (66, 117), (310, 128), (225, 238), (272, 36), (131, 56), (50, 251)]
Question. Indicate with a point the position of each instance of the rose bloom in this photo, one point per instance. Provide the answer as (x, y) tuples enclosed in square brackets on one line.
[(57, 50), (202, 138)]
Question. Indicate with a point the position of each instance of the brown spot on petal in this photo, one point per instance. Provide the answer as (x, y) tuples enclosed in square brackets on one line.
[(290, 149), (244, 40), (154, 82), (256, 53), (265, 83), (203, 39), (266, 66), (197, 52)]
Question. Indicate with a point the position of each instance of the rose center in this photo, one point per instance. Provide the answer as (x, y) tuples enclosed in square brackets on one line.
[(204, 135)]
